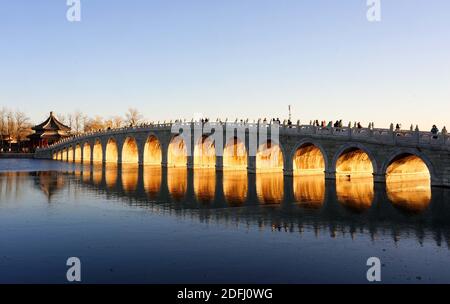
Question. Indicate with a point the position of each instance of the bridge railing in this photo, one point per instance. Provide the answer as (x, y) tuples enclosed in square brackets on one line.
[(372, 134)]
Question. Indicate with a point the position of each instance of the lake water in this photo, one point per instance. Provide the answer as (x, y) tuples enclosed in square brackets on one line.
[(134, 224)]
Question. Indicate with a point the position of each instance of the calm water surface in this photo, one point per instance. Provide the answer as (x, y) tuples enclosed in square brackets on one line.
[(134, 224)]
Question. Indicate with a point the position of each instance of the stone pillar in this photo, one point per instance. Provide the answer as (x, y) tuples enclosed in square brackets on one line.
[(219, 163), (379, 178), (251, 164)]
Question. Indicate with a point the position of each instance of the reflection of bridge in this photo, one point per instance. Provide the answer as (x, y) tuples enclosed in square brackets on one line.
[(299, 148), (291, 204)]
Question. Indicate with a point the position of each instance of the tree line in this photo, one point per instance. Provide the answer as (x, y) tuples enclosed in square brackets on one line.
[(15, 125)]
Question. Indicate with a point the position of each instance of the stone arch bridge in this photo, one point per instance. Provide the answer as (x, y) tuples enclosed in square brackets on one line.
[(299, 149)]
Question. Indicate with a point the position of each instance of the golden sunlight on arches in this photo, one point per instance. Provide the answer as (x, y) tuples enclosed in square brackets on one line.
[(309, 191), (407, 167), (410, 195), (177, 182), (55, 155), (269, 158), (111, 151), (177, 152), (86, 153), (130, 153), (77, 153), (152, 181), (130, 176), (205, 185), (97, 153), (354, 162), (70, 154), (357, 196), (308, 159), (235, 187), (269, 188), (235, 155), (111, 175), (60, 155), (64, 155), (86, 176), (152, 151), (205, 153)]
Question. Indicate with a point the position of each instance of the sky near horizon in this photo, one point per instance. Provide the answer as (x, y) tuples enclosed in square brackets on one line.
[(229, 58)]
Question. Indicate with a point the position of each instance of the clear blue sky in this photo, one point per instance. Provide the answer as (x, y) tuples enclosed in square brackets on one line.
[(229, 58)]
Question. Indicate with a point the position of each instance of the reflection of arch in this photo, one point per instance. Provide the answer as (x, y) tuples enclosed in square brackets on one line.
[(269, 157), (235, 187), (407, 164), (97, 153), (130, 151), (86, 153), (413, 196), (177, 152), (152, 181), (177, 182), (309, 191), (270, 187), (77, 153), (235, 154), (152, 151), (354, 160), (130, 176), (205, 153), (111, 151), (70, 154), (355, 196), (205, 184), (309, 158)]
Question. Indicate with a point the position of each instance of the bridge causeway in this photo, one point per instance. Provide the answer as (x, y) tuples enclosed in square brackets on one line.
[(381, 147)]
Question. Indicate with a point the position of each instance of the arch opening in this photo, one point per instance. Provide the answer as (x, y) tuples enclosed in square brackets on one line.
[(97, 153), (111, 151), (60, 155), (55, 155), (70, 154), (269, 158), (86, 153), (152, 151), (177, 152), (408, 183), (77, 156), (309, 160), (64, 155), (130, 151), (205, 153), (235, 155), (354, 162)]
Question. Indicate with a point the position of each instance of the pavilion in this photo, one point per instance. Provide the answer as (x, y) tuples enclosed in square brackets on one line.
[(48, 132)]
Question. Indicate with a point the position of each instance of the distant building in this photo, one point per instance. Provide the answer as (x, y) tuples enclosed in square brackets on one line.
[(5, 142), (48, 132)]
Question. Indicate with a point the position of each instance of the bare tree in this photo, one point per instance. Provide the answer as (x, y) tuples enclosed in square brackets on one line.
[(94, 124), (22, 127), (3, 124), (117, 122), (133, 117), (78, 122)]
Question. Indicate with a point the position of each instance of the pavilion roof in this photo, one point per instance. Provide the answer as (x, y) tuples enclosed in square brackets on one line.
[(51, 124)]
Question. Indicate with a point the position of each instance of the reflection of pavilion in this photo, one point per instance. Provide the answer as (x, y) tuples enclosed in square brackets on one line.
[(50, 182)]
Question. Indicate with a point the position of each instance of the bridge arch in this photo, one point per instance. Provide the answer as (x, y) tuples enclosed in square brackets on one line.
[(152, 150), (408, 163), (112, 151), (235, 154), (177, 152), (205, 152), (354, 159), (309, 157), (70, 153), (77, 154), (54, 155), (130, 151), (270, 157), (86, 152), (97, 151)]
